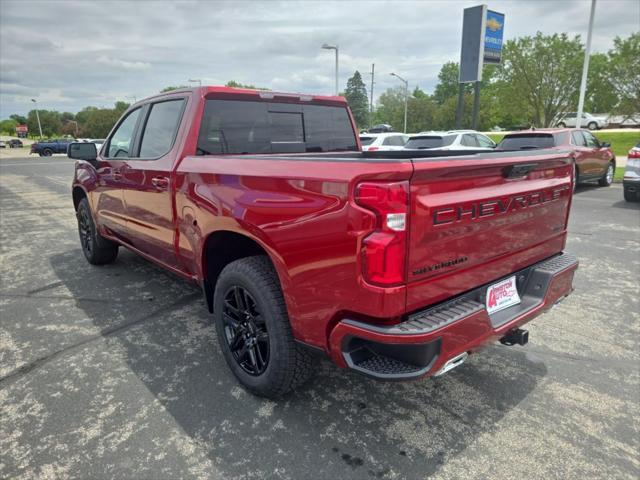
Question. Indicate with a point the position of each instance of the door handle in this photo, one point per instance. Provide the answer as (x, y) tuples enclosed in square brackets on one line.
[(116, 173), (161, 183)]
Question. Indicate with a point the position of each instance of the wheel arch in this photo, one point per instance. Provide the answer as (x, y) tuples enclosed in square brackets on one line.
[(78, 193), (222, 247)]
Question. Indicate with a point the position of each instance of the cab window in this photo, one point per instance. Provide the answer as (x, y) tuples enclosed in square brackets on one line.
[(161, 128), (121, 142)]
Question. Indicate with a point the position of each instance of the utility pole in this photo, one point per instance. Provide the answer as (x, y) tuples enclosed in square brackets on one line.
[(406, 97), (37, 116), (373, 70), (585, 66)]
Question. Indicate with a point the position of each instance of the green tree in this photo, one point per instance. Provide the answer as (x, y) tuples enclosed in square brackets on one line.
[(601, 96), (49, 119), (543, 73), (421, 110), (171, 88), (18, 118), (97, 122), (234, 84), (624, 71), (390, 108), (447, 86), (356, 95), (8, 126)]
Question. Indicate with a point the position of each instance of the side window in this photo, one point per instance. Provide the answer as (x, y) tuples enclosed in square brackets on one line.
[(161, 128), (485, 142), (592, 142), (121, 141), (578, 139), (394, 141), (469, 140)]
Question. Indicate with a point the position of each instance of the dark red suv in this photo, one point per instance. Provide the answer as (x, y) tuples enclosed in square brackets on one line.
[(592, 159)]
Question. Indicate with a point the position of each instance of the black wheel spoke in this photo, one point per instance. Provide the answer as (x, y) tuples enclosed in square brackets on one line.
[(236, 342), (234, 323), (253, 358), (238, 294), (261, 360), (245, 330)]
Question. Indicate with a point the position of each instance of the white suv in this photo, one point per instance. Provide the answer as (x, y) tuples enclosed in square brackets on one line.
[(589, 121), (383, 141), (450, 140)]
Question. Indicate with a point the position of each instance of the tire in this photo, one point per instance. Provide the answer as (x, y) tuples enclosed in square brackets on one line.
[(562, 125), (592, 126), (607, 177), (630, 196), (253, 329), (47, 152), (97, 249)]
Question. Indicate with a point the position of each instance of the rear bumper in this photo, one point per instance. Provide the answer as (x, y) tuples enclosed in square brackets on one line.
[(428, 341)]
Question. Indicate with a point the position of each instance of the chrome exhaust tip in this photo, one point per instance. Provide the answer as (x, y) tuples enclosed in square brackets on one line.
[(451, 364)]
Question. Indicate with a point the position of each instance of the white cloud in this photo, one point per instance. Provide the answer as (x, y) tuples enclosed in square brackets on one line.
[(116, 62), (104, 52)]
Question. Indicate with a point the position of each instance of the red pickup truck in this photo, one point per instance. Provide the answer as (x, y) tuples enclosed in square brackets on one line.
[(394, 264)]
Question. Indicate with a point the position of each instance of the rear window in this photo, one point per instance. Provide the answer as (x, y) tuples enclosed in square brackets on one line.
[(239, 127), (366, 140), (431, 141), (526, 141)]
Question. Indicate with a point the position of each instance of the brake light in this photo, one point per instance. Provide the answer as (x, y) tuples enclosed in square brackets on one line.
[(384, 250), (373, 149), (633, 153)]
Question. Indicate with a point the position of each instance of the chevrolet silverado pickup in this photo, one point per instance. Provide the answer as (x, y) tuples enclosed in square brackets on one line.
[(394, 264)]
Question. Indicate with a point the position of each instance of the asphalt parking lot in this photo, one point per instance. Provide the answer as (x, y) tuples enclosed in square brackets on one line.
[(115, 372)]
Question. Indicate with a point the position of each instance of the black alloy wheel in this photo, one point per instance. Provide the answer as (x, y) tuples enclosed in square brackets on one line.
[(86, 234), (245, 331)]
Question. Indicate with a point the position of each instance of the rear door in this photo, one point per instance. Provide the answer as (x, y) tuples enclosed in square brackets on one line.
[(479, 217), (599, 155), (586, 155), (148, 184)]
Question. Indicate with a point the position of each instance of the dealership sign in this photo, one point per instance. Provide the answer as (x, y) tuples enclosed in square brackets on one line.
[(493, 32), (22, 129), (482, 35)]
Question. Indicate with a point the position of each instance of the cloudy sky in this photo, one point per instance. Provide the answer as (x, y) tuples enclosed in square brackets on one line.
[(69, 54)]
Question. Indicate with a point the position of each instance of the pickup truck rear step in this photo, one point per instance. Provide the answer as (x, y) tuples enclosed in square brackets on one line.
[(380, 351), (389, 361)]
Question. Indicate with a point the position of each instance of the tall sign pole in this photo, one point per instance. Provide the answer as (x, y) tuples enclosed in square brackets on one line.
[(482, 34), (585, 66)]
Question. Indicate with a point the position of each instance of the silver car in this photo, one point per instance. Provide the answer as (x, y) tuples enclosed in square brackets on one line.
[(631, 179)]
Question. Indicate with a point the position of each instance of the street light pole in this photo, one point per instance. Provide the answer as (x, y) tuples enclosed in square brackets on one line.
[(194, 80), (76, 126), (585, 66), (333, 47), (37, 116), (406, 97)]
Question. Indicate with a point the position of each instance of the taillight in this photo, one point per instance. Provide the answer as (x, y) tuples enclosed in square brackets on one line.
[(384, 250), (373, 149), (633, 153)]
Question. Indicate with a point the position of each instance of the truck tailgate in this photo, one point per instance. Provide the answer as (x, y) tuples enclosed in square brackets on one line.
[(478, 218)]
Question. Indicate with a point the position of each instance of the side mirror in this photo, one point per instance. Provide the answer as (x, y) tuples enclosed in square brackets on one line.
[(82, 151), (605, 144)]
